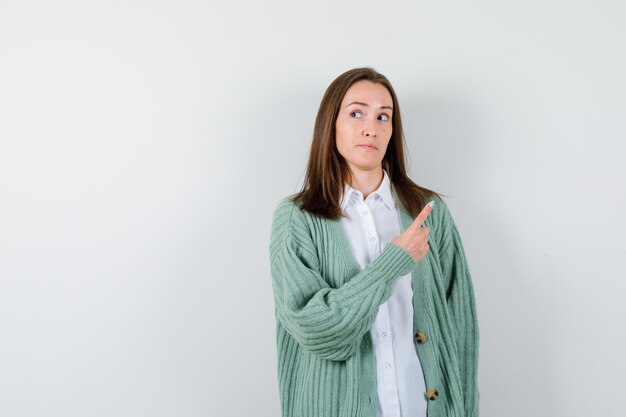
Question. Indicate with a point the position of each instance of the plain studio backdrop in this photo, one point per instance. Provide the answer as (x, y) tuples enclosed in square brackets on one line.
[(144, 146)]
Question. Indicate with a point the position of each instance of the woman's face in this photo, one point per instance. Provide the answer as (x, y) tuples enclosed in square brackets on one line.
[(364, 119)]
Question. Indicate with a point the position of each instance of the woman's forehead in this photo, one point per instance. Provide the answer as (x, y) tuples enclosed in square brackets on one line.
[(368, 94)]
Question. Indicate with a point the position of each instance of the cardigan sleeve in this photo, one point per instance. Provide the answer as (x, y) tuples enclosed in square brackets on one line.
[(328, 322), (462, 306)]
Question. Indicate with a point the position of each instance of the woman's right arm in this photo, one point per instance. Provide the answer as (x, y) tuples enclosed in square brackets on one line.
[(329, 322)]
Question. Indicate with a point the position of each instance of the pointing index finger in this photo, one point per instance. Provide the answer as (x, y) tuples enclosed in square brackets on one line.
[(423, 214)]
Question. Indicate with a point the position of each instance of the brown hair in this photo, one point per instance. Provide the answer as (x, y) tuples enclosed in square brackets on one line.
[(327, 170)]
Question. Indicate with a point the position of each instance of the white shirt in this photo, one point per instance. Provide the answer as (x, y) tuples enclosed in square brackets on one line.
[(370, 225)]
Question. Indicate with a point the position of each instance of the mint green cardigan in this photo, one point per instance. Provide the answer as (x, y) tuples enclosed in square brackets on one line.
[(325, 305)]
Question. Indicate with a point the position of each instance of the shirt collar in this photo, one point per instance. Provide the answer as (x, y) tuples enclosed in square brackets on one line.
[(384, 191)]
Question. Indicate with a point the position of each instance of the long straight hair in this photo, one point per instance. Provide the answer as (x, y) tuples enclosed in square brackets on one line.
[(327, 170)]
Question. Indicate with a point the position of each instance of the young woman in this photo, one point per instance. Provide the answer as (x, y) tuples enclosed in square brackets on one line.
[(375, 309)]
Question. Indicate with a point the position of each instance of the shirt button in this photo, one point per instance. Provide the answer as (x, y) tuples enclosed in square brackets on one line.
[(372, 238), (387, 365), (384, 334)]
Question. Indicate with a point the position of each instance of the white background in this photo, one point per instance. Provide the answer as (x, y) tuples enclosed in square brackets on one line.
[(145, 144)]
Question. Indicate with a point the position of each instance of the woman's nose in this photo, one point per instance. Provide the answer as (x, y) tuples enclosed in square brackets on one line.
[(370, 128), (369, 132)]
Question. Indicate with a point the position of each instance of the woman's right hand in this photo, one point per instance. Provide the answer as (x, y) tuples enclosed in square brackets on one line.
[(415, 238)]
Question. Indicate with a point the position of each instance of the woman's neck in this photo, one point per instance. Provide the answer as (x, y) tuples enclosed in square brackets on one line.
[(366, 181)]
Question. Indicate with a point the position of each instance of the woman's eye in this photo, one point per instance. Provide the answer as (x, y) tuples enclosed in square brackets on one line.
[(385, 117)]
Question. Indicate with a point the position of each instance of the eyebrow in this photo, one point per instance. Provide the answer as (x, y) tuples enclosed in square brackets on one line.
[(366, 105)]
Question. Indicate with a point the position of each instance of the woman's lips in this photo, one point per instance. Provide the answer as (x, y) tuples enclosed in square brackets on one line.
[(368, 147)]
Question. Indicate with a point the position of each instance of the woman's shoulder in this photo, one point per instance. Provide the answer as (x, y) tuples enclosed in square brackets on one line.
[(288, 216), (440, 215), (287, 208), (441, 211), (442, 221), (290, 227), (439, 221)]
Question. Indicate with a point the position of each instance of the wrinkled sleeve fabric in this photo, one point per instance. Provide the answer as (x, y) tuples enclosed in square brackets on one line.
[(461, 303), (328, 322)]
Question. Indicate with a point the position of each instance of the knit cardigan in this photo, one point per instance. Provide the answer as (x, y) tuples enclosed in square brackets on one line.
[(325, 305)]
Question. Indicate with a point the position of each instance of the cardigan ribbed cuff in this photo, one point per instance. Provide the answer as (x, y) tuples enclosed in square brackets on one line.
[(393, 262)]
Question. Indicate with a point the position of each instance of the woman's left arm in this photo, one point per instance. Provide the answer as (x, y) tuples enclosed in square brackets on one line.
[(462, 306)]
